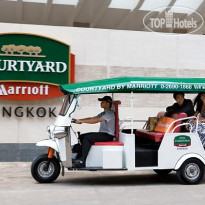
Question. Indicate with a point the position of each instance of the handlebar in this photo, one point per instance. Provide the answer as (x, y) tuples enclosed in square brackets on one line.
[(73, 121)]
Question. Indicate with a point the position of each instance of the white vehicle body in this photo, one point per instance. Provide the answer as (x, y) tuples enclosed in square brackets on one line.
[(169, 155)]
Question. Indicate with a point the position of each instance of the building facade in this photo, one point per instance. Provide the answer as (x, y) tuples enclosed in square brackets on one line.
[(99, 53)]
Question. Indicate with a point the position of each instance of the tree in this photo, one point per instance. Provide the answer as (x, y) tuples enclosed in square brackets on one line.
[(12, 48), (21, 49), (30, 50), (5, 49), (37, 50)]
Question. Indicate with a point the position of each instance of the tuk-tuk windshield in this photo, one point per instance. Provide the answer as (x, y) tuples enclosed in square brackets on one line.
[(66, 104)]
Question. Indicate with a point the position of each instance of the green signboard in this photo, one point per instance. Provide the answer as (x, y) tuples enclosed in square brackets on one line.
[(182, 141), (33, 58)]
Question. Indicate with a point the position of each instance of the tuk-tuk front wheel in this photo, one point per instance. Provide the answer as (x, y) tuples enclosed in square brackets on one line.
[(191, 171), (44, 170)]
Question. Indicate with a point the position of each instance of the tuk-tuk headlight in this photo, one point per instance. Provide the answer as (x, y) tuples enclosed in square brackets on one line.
[(60, 132)]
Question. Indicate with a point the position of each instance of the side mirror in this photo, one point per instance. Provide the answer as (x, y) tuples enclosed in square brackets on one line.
[(79, 103)]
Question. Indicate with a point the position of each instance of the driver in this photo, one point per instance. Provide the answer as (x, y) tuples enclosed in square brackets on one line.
[(106, 130)]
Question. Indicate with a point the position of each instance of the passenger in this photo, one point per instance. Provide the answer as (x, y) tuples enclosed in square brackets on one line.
[(106, 131), (200, 112), (181, 105)]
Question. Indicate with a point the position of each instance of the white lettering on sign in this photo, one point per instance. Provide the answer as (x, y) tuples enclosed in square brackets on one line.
[(33, 66), (3, 90), (24, 90)]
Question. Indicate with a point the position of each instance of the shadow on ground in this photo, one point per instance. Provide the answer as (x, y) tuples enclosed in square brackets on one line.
[(119, 179)]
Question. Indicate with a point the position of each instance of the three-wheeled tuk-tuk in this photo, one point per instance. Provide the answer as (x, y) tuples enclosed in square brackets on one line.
[(131, 149)]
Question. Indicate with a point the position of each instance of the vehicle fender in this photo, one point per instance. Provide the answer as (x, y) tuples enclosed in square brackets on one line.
[(48, 143), (188, 156)]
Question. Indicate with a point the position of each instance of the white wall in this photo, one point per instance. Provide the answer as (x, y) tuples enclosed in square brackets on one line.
[(124, 48)]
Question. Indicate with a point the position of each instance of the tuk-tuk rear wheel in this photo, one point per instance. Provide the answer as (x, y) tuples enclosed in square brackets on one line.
[(191, 171), (43, 173)]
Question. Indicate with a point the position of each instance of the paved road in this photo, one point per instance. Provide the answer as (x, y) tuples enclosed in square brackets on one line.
[(93, 188)]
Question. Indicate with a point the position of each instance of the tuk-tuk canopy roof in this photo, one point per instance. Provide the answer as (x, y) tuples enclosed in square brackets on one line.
[(136, 85)]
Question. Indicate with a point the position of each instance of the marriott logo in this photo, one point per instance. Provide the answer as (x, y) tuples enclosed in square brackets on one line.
[(32, 66), (24, 90)]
